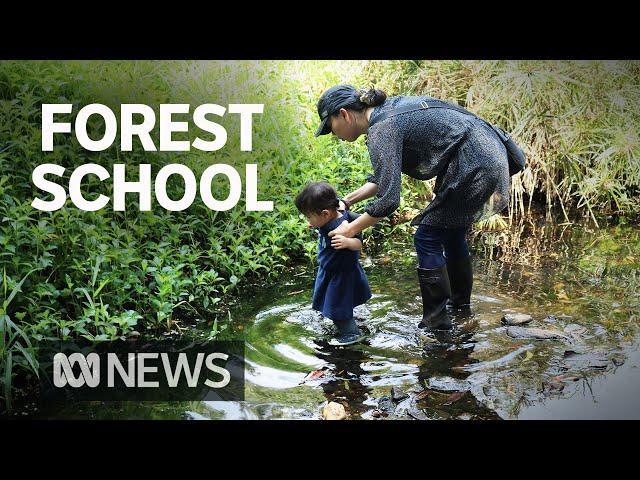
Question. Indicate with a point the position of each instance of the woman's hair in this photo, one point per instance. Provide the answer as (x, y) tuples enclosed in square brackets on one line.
[(372, 97), (317, 196), (368, 98)]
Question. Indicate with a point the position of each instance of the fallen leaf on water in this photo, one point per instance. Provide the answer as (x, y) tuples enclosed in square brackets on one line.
[(562, 378), (454, 397), (422, 395), (557, 386), (315, 374)]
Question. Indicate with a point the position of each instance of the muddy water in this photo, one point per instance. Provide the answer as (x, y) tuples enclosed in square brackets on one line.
[(580, 283)]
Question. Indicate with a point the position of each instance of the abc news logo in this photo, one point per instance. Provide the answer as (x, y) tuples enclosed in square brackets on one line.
[(178, 371)]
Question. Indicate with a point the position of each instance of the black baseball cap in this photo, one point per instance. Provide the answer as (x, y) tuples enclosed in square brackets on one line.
[(331, 101)]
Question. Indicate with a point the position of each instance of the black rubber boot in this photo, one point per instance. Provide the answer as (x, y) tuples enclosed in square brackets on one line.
[(461, 282), (435, 289)]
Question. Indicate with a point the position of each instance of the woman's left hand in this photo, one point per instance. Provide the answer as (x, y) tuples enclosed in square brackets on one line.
[(343, 229)]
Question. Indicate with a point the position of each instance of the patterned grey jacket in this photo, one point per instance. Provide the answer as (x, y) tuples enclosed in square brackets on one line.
[(465, 155)]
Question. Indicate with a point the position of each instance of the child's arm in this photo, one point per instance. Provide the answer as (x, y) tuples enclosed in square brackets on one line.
[(352, 243), (340, 242)]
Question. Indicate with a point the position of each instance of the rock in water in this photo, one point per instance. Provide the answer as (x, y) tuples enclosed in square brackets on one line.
[(536, 333), (516, 319), (386, 404), (334, 411), (575, 331), (417, 413), (588, 360), (474, 367), (447, 384), (398, 395)]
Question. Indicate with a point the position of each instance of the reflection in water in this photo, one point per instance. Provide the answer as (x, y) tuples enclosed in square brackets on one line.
[(345, 385), (271, 377), (477, 371), (447, 392), (583, 283)]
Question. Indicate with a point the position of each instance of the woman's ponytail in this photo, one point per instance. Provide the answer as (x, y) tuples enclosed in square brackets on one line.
[(372, 97)]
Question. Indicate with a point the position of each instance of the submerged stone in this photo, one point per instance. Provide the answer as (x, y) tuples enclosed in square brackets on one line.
[(448, 384), (398, 395), (516, 319), (592, 360), (386, 404), (536, 333), (575, 328), (417, 413)]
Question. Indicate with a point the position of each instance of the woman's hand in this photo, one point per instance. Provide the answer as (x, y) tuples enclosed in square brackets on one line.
[(350, 230), (343, 230)]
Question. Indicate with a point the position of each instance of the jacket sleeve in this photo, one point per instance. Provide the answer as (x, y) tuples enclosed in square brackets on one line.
[(352, 217), (385, 152)]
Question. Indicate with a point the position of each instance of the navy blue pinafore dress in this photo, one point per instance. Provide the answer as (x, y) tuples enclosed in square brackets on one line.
[(341, 283)]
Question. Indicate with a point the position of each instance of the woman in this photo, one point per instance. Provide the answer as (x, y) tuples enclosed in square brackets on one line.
[(465, 155)]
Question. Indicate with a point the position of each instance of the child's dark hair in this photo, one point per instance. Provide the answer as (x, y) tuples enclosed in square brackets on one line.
[(317, 196)]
